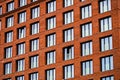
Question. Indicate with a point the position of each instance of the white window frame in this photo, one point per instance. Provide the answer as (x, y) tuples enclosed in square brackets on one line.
[(34, 61), (34, 76), (21, 48), (22, 3), (68, 3), (10, 21), (21, 32), (9, 36), (51, 23), (35, 12), (51, 6), (10, 6), (20, 65), (51, 40), (34, 44), (22, 17), (8, 68), (35, 28), (8, 52), (20, 78), (50, 74)]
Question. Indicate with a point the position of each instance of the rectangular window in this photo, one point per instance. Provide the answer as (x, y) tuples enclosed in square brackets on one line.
[(22, 17), (35, 28), (82, 0), (68, 17), (0, 10), (68, 3), (10, 21), (105, 5), (86, 29), (86, 48), (68, 35), (20, 78), (105, 24), (22, 3), (8, 79), (9, 36), (34, 44), (35, 12), (68, 71), (8, 52), (34, 76), (50, 74), (34, 0), (8, 68), (86, 11), (51, 23), (51, 6), (106, 43), (68, 53), (107, 63), (21, 32), (50, 56), (20, 65), (34, 62), (87, 67), (21, 48), (51, 40), (108, 78), (10, 6)]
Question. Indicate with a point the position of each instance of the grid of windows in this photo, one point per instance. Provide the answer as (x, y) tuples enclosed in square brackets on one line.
[(68, 17), (10, 6), (68, 71), (87, 67), (8, 68), (51, 23), (105, 24), (107, 63), (50, 74), (68, 53), (50, 57), (34, 76), (35, 12), (106, 43), (86, 48), (51, 40), (51, 6), (105, 5), (8, 52), (34, 61), (20, 65), (10, 21), (86, 30), (86, 11)]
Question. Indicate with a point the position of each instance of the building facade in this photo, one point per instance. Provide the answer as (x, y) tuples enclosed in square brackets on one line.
[(59, 39)]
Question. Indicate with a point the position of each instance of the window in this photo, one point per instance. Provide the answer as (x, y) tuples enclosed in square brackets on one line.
[(34, 76), (105, 5), (68, 53), (34, 0), (50, 56), (51, 23), (22, 17), (10, 21), (86, 29), (8, 79), (51, 6), (35, 12), (21, 32), (8, 68), (0, 10), (20, 65), (9, 36), (35, 28), (51, 40), (108, 78), (50, 74), (34, 61), (106, 43), (107, 63), (34, 44), (22, 3), (105, 24), (10, 6), (21, 48), (86, 11), (86, 48), (68, 3), (68, 71), (20, 78), (87, 67), (68, 35), (82, 0), (8, 52), (68, 17)]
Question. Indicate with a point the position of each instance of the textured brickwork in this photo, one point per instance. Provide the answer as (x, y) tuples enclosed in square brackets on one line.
[(97, 54)]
